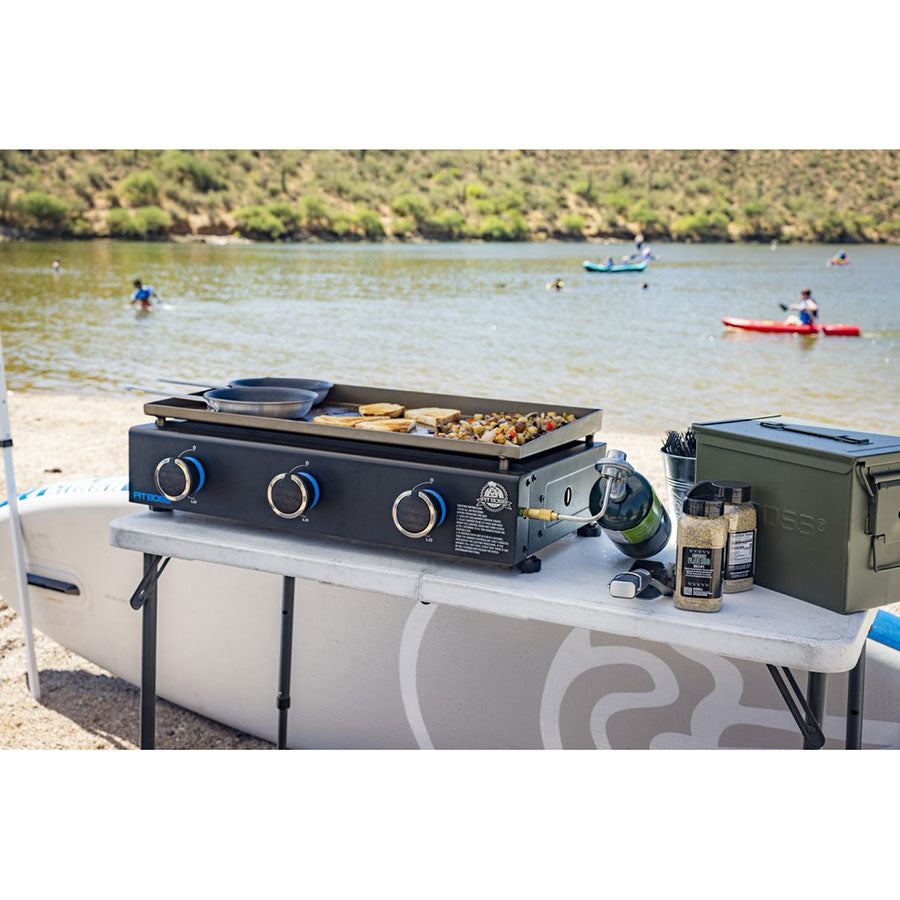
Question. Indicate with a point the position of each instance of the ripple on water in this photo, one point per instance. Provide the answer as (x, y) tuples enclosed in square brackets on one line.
[(465, 318)]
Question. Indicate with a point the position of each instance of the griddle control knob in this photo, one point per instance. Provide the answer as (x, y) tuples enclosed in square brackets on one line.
[(178, 477), (417, 513), (291, 494)]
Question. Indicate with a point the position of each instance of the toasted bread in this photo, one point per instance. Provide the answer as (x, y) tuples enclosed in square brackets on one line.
[(404, 425), (347, 421), (390, 410), (432, 415)]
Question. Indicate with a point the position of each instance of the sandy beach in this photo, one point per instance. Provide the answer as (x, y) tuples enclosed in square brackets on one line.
[(64, 436)]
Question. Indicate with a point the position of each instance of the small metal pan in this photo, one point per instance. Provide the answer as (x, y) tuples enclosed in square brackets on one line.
[(319, 388), (275, 402)]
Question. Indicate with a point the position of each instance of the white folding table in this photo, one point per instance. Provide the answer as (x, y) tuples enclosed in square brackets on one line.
[(571, 589)]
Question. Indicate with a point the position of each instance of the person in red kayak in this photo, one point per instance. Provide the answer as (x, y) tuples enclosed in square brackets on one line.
[(807, 309)]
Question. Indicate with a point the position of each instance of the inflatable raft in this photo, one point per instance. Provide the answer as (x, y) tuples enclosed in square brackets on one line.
[(619, 267), (376, 671), (773, 326)]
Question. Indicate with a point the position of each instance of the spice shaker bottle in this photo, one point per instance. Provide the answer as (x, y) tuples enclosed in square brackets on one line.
[(700, 563), (740, 553)]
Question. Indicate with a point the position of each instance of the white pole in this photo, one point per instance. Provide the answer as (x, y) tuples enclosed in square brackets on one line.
[(16, 531)]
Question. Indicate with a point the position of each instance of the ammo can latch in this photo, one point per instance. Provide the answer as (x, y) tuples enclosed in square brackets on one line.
[(883, 521)]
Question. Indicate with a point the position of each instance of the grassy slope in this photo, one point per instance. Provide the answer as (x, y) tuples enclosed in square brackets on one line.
[(831, 195)]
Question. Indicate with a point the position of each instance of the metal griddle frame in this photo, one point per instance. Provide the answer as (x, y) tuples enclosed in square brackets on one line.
[(344, 398)]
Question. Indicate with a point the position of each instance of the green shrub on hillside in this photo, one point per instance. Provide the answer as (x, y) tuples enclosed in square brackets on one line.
[(572, 225), (495, 228), (140, 188), (619, 201), (258, 222), (185, 166), (622, 176), (344, 225), (414, 205), (81, 228), (403, 227), (315, 211), (510, 199), (371, 224), (517, 226), (702, 226), (120, 223), (43, 211), (474, 190), (152, 221), (290, 217), (446, 225)]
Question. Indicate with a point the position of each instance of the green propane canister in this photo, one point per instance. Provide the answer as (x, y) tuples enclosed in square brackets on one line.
[(635, 521), (828, 506)]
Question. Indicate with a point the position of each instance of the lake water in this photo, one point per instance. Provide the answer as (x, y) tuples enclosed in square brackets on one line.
[(467, 318)]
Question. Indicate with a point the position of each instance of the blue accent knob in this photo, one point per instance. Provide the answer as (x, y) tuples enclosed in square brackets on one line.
[(200, 470), (441, 504), (315, 487)]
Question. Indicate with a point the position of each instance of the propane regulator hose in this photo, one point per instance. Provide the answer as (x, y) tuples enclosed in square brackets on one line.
[(612, 469)]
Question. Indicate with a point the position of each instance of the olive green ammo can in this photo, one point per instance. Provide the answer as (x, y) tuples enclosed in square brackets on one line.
[(828, 506)]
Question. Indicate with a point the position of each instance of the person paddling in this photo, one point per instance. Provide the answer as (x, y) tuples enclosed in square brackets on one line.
[(142, 295), (807, 309)]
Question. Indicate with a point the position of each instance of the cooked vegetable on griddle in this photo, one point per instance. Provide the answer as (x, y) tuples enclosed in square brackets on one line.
[(504, 428)]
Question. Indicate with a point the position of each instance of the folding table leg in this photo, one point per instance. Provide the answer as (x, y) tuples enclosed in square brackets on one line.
[(283, 701), (855, 692), (815, 695), (148, 659)]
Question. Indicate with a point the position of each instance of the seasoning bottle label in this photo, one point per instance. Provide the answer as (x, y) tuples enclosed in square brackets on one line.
[(702, 571), (740, 555)]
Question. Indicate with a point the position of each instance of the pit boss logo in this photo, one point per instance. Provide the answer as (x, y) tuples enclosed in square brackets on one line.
[(494, 497)]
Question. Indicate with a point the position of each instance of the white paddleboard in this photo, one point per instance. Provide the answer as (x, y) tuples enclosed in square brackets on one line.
[(372, 670)]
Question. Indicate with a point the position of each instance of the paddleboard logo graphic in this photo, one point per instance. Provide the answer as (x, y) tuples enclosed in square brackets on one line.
[(493, 497)]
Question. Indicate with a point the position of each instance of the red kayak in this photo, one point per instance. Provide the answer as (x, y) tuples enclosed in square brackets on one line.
[(773, 327)]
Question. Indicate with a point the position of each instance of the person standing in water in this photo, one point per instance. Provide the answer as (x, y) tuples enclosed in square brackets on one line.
[(56, 265), (142, 295)]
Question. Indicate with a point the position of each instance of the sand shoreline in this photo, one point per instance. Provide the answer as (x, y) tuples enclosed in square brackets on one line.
[(58, 437)]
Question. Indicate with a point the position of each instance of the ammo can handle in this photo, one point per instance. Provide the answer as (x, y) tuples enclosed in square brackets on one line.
[(844, 438), (875, 565)]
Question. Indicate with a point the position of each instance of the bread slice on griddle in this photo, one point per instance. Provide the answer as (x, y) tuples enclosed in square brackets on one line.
[(433, 415), (391, 410), (346, 421), (403, 425)]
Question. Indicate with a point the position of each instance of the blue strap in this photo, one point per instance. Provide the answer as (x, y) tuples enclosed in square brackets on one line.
[(886, 629)]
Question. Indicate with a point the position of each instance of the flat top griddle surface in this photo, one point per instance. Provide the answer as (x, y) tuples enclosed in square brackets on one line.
[(344, 399)]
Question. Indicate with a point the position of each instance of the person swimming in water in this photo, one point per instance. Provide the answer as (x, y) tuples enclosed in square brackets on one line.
[(557, 284), (142, 295)]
